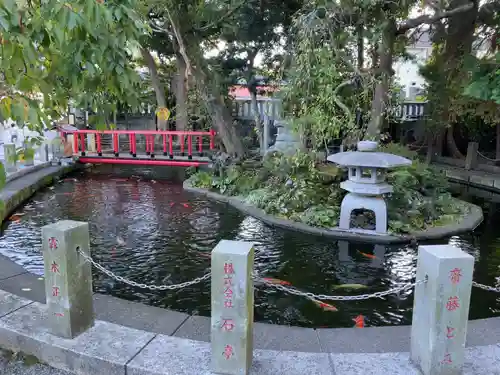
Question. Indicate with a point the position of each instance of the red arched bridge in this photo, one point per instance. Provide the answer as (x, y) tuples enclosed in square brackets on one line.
[(143, 147)]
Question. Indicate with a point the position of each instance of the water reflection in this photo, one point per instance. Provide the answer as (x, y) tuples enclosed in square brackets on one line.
[(153, 232)]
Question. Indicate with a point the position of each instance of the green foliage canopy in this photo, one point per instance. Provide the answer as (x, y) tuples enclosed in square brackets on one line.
[(52, 51)]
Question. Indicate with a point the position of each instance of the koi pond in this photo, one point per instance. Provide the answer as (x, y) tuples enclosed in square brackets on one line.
[(144, 227)]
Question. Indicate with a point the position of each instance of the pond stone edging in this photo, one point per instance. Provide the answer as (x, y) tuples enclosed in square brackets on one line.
[(21, 187), (467, 223)]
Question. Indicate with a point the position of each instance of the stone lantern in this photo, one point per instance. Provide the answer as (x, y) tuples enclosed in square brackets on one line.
[(366, 183)]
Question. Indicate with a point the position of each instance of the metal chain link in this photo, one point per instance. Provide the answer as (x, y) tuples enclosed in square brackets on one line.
[(486, 287), (139, 285), (325, 297)]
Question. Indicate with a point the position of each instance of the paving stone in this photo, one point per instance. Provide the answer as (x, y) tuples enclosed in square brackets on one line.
[(10, 302), (266, 336), (103, 349), (483, 332), (173, 356), (195, 328), (482, 360), (137, 315), (373, 364), (366, 340), (8, 268), (278, 337), (481, 180), (25, 285)]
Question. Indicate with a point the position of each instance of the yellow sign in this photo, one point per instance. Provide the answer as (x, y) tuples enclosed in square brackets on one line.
[(163, 113)]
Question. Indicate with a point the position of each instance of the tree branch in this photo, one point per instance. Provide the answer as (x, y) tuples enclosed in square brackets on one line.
[(427, 19), (228, 14)]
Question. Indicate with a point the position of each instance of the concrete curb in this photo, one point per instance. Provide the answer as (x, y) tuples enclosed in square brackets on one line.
[(26, 170), (112, 349), (18, 190), (469, 222)]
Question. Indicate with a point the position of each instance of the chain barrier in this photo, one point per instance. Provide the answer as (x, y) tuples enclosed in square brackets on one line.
[(324, 297), (486, 287), (139, 285), (487, 158)]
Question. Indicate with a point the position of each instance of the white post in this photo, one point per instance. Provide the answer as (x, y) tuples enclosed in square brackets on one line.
[(232, 307), (441, 310)]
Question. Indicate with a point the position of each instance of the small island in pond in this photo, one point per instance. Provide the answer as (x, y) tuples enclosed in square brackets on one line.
[(302, 189)]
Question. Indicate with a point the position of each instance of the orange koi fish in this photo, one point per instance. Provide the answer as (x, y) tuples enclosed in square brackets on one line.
[(360, 321), (120, 179), (172, 204), (325, 306), (15, 218), (271, 280), (185, 205), (371, 256), (70, 180)]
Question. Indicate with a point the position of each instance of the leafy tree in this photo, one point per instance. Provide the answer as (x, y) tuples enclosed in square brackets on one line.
[(189, 25), (52, 51)]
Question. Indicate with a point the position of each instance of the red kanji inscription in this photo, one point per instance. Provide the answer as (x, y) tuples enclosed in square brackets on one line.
[(227, 325), (55, 291), (52, 243), (452, 304), (455, 275), (54, 267), (228, 281), (447, 358), (228, 351), (450, 332), (228, 292), (228, 268), (59, 314), (228, 304)]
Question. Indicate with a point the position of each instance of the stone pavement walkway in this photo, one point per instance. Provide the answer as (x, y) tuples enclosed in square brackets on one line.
[(476, 178), (10, 366)]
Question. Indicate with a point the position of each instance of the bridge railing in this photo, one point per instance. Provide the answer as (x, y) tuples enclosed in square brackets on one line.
[(166, 143)]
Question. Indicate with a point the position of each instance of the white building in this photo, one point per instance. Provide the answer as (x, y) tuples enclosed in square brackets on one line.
[(407, 72)]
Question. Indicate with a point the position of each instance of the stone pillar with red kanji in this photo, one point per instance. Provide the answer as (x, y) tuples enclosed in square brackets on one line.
[(441, 310), (68, 278), (232, 307)]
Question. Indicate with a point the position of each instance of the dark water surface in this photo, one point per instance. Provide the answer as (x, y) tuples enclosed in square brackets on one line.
[(169, 234)]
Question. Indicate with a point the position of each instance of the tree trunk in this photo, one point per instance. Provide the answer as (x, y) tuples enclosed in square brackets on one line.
[(458, 44), (361, 47), (221, 116), (209, 90), (257, 119), (157, 85), (384, 72), (181, 95), (451, 144), (497, 148)]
